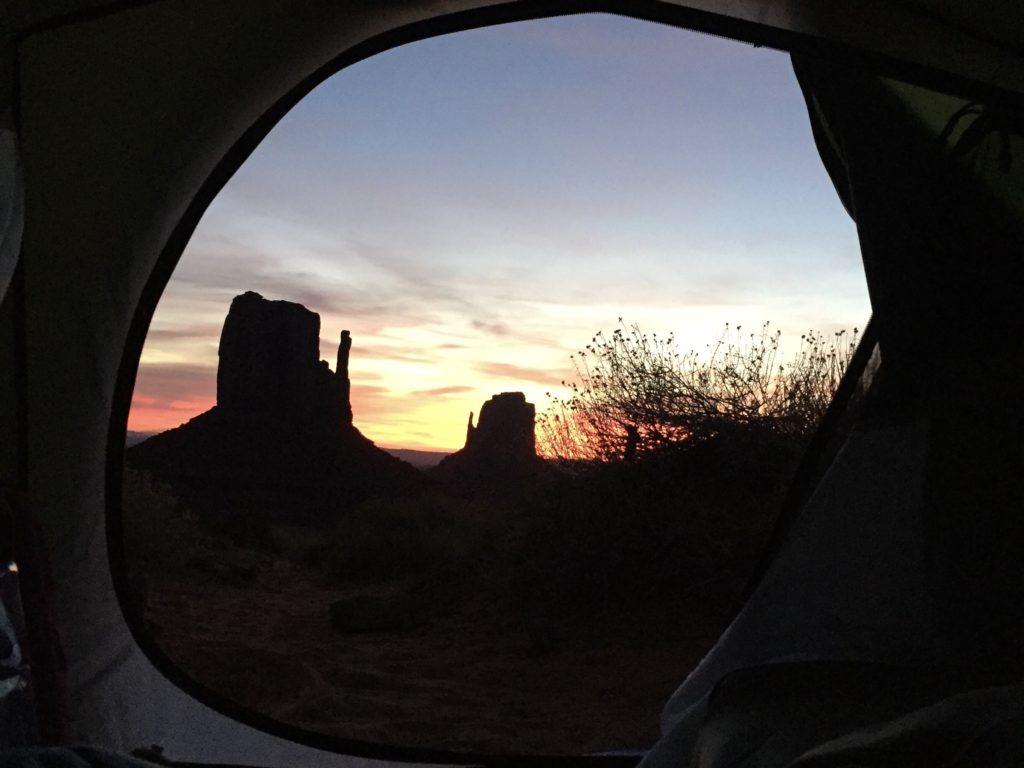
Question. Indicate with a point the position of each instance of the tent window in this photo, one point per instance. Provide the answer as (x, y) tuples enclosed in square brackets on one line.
[(331, 545)]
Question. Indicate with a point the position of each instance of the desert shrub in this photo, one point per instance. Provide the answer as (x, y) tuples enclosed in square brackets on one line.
[(636, 393), (158, 533), (689, 519), (680, 462), (403, 536)]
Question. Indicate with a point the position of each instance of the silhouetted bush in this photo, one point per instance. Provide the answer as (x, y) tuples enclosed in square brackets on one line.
[(685, 520), (637, 393), (679, 466)]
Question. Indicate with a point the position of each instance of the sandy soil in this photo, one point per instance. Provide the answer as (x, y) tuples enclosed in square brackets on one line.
[(466, 675)]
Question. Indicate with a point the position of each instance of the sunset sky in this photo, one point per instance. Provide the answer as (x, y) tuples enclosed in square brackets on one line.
[(474, 207)]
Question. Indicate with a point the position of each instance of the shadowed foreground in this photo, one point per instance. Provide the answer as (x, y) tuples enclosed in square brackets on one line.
[(466, 675)]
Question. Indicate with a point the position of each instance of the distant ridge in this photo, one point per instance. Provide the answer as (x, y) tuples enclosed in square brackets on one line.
[(134, 437), (419, 459)]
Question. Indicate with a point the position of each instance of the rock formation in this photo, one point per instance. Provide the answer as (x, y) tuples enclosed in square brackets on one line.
[(500, 451), (281, 434), (344, 385), (270, 364), (505, 431)]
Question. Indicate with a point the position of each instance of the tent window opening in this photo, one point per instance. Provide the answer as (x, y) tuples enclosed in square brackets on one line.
[(583, 289)]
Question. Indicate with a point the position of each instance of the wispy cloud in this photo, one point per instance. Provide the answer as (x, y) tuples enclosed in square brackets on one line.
[(162, 334), (396, 353), (492, 329), (164, 382), (518, 373), (442, 391)]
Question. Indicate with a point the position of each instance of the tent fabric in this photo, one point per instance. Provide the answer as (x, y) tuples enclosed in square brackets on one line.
[(910, 552), (12, 213), (133, 127), (941, 252), (11, 207), (981, 41), (130, 119), (835, 714), (846, 585), (69, 757)]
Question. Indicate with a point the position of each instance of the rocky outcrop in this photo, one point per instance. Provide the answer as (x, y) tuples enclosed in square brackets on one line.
[(505, 430), (500, 452), (281, 438), (343, 386), (270, 363)]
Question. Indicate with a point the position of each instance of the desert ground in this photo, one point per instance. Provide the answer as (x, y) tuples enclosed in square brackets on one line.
[(437, 661)]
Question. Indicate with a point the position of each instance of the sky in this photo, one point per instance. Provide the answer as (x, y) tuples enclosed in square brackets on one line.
[(475, 206)]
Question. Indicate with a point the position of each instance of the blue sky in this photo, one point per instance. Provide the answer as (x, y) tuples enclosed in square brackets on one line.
[(474, 207)]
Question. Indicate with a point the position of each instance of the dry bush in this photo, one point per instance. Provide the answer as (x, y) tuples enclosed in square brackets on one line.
[(710, 444), (686, 520), (637, 393)]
